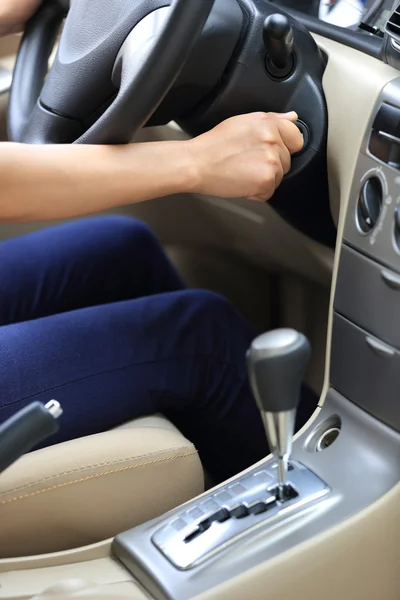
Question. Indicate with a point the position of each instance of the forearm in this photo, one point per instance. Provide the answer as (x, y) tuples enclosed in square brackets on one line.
[(54, 182)]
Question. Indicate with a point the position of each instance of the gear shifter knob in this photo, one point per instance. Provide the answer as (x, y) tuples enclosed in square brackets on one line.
[(276, 363), (278, 41)]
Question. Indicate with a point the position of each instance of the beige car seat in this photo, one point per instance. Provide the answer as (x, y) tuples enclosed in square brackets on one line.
[(89, 489)]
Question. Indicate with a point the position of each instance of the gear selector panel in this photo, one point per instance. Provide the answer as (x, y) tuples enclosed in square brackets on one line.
[(222, 517)]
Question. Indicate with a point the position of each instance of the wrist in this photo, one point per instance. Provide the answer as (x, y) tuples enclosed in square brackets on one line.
[(184, 166), (170, 167), (195, 166)]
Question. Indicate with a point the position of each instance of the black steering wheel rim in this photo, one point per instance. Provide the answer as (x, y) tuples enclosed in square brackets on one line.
[(32, 119)]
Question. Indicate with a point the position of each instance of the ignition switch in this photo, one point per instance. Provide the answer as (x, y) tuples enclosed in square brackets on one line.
[(304, 130)]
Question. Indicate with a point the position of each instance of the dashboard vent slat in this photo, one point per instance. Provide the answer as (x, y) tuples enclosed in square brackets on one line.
[(393, 24)]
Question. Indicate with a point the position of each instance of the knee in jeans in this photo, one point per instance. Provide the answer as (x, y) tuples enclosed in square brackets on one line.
[(131, 233), (208, 302), (222, 325), (129, 226)]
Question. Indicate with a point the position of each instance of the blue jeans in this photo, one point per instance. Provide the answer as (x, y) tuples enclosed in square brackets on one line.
[(93, 314)]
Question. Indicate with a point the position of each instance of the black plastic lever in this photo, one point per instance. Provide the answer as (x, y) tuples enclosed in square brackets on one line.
[(278, 40), (26, 429)]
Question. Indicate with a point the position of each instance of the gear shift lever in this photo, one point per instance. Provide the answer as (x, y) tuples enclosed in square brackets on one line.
[(276, 363)]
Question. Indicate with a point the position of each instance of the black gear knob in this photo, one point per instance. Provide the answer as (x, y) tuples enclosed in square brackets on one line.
[(278, 41), (277, 362)]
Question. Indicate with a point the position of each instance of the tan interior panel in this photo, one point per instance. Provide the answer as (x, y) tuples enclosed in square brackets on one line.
[(98, 577), (91, 488), (9, 45), (8, 48), (3, 111)]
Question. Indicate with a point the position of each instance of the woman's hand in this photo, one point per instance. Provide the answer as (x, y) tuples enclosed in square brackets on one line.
[(246, 156), (15, 13)]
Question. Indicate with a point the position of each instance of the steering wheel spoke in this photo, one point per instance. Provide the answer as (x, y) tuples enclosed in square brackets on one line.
[(115, 64)]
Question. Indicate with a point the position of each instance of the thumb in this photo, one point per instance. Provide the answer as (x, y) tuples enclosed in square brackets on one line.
[(288, 116)]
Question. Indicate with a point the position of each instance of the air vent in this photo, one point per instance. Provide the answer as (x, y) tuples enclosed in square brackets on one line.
[(393, 24)]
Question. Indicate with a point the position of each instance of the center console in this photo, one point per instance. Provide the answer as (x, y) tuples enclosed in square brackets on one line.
[(175, 557), (365, 362), (350, 457)]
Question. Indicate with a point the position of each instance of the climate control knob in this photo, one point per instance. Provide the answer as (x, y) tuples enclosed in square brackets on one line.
[(369, 204)]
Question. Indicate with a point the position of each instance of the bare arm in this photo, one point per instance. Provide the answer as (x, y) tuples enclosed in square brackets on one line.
[(52, 182), (246, 156)]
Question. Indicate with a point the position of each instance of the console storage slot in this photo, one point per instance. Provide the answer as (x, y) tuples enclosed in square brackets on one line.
[(366, 371), (368, 294)]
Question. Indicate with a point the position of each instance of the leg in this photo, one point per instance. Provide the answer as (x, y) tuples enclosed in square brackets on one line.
[(180, 353), (83, 263)]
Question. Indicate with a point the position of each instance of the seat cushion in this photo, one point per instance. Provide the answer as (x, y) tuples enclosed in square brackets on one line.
[(92, 488), (153, 421)]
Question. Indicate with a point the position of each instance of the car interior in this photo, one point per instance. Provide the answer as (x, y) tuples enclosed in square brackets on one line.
[(130, 513)]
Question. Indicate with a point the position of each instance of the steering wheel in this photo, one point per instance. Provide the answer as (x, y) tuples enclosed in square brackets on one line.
[(115, 63)]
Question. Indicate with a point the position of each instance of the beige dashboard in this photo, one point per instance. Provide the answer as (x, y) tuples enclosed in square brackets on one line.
[(356, 560)]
